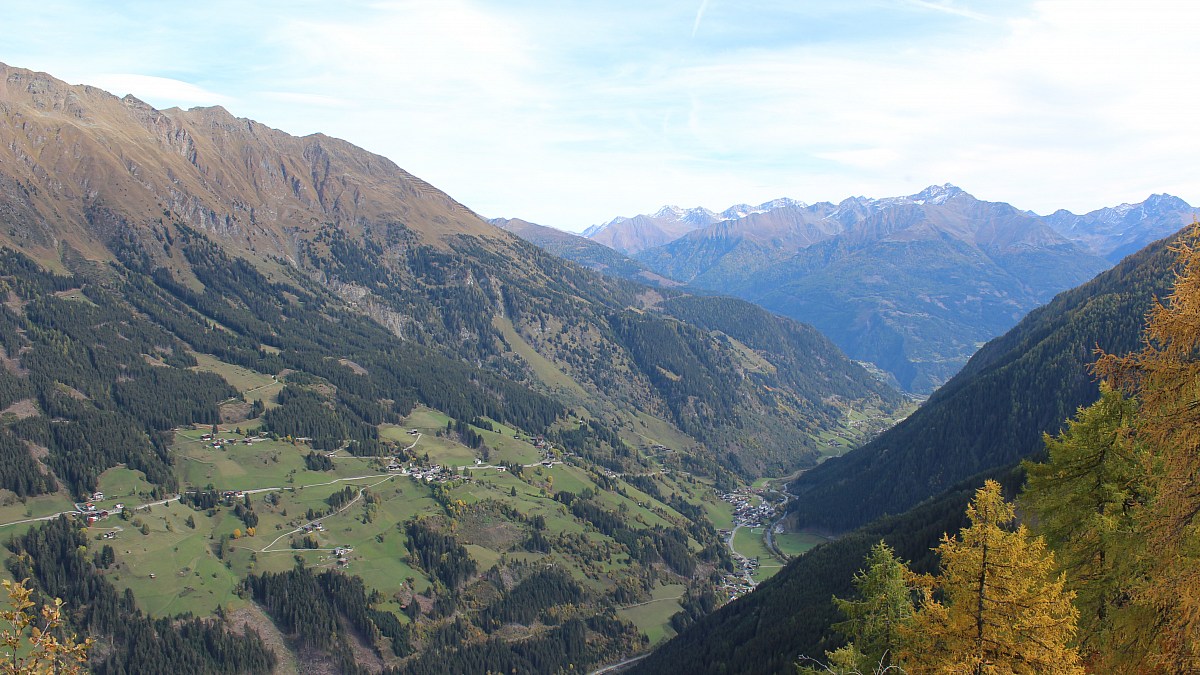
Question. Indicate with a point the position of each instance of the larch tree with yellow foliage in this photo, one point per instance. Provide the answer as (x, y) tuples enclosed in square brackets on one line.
[(997, 607), (1165, 377)]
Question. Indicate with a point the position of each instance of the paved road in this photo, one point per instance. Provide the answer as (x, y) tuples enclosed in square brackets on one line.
[(619, 665), (175, 498), (769, 537), (267, 548)]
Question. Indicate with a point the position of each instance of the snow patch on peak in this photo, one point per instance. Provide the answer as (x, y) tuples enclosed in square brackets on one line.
[(1166, 202), (699, 216), (736, 211), (781, 203), (936, 194), (594, 230)]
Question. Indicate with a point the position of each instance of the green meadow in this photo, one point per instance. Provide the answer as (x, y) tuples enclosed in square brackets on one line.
[(177, 559)]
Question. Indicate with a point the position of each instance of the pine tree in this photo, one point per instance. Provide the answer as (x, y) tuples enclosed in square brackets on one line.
[(1083, 499), (1165, 376), (886, 602), (873, 622), (999, 608)]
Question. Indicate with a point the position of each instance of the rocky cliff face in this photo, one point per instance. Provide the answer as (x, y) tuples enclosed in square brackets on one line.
[(75, 154)]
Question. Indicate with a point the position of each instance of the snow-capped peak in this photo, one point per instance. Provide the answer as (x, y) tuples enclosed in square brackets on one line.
[(737, 211), (936, 194), (782, 202)]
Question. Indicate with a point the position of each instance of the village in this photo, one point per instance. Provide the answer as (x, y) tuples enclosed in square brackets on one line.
[(750, 510)]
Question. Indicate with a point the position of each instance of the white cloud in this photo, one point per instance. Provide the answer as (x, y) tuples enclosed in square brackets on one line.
[(164, 91), (949, 8), (570, 114)]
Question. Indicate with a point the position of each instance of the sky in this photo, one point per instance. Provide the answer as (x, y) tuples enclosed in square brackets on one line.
[(572, 112)]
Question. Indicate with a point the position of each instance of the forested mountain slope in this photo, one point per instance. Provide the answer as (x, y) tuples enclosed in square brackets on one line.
[(792, 614), (86, 175), (314, 398), (994, 412)]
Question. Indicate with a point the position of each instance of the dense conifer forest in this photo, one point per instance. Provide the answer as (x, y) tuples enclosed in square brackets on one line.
[(1017, 387)]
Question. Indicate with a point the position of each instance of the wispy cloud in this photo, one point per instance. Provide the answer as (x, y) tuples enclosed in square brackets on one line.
[(164, 91), (699, 16), (948, 8), (569, 114), (306, 98)]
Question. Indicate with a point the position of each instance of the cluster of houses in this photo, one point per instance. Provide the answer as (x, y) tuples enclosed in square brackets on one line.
[(341, 555), (742, 580), (218, 443), (435, 473), (746, 512), (315, 526), (91, 513)]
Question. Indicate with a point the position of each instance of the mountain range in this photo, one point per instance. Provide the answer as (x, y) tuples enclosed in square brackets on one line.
[(912, 284), (349, 426), (234, 331)]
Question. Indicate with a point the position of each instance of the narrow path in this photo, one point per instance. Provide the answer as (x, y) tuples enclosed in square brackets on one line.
[(746, 574), (650, 602), (619, 665), (267, 548), (176, 498)]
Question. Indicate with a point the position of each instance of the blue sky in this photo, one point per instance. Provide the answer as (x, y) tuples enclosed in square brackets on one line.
[(570, 113)]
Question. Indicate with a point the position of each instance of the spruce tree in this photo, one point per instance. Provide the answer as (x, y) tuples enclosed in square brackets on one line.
[(1083, 500), (996, 607), (885, 603), (873, 621)]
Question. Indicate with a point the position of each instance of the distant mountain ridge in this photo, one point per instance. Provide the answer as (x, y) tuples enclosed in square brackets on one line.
[(914, 284), (1112, 232), (1117, 231), (640, 232), (584, 251)]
